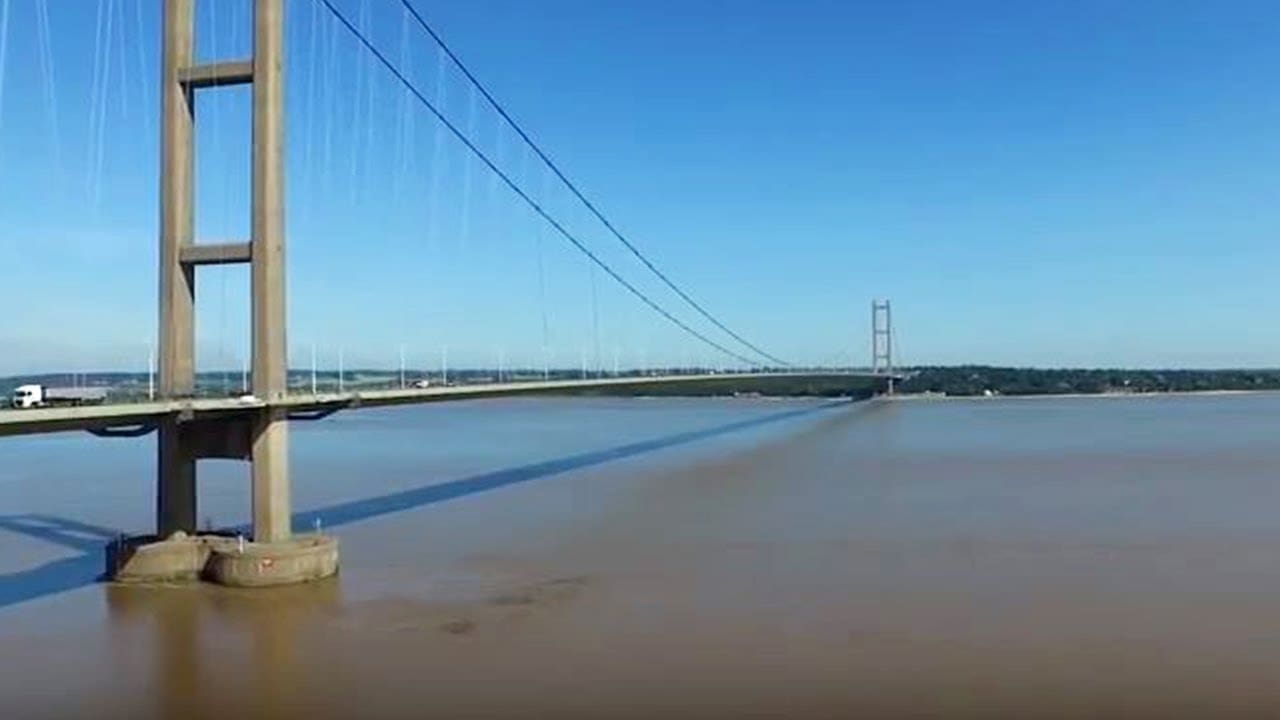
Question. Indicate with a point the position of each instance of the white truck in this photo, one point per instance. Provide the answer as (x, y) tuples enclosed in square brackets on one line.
[(34, 396)]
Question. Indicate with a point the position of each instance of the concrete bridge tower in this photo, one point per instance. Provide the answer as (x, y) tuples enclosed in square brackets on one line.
[(882, 340), (260, 434)]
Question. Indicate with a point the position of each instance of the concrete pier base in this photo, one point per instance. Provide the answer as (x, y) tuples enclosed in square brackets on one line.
[(222, 559), (150, 559), (299, 559)]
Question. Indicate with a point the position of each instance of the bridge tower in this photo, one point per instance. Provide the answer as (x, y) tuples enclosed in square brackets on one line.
[(882, 340), (261, 438)]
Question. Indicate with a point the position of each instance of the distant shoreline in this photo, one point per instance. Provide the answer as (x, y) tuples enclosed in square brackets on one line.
[(925, 397)]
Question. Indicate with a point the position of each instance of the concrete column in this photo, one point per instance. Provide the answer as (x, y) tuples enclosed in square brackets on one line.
[(176, 490), (270, 382), (875, 336), (176, 464), (271, 513), (888, 343)]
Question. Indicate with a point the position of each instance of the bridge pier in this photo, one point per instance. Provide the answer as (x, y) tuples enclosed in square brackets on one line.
[(272, 521), (175, 480), (175, 459), (273, 556)]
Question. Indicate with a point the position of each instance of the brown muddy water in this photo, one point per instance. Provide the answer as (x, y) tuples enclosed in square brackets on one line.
[(685, 558)]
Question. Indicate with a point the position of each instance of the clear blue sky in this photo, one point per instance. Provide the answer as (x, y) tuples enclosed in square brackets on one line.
[(1085, 183)]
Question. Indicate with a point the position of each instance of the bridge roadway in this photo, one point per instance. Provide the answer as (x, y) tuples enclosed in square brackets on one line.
[(127, 419)]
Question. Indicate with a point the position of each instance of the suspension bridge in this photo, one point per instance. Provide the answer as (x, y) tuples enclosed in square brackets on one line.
[(254, 425)]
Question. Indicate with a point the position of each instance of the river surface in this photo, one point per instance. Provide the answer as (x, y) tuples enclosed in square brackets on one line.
[(576, 558)]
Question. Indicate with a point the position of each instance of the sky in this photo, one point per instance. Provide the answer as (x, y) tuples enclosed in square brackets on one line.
[(1051, 184)]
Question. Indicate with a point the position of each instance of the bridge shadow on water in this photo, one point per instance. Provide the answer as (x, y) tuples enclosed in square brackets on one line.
[(87, 567), (59, 575)]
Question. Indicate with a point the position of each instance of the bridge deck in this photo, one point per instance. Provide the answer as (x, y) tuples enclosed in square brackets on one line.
[(143, 414)]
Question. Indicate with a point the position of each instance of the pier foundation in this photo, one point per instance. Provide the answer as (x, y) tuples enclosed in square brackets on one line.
[(223, 559), (177, 552)]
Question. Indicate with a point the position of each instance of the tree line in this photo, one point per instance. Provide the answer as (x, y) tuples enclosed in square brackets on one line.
[(982, 380)]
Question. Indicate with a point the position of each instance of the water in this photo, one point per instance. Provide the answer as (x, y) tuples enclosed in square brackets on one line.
[(685, 558)]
